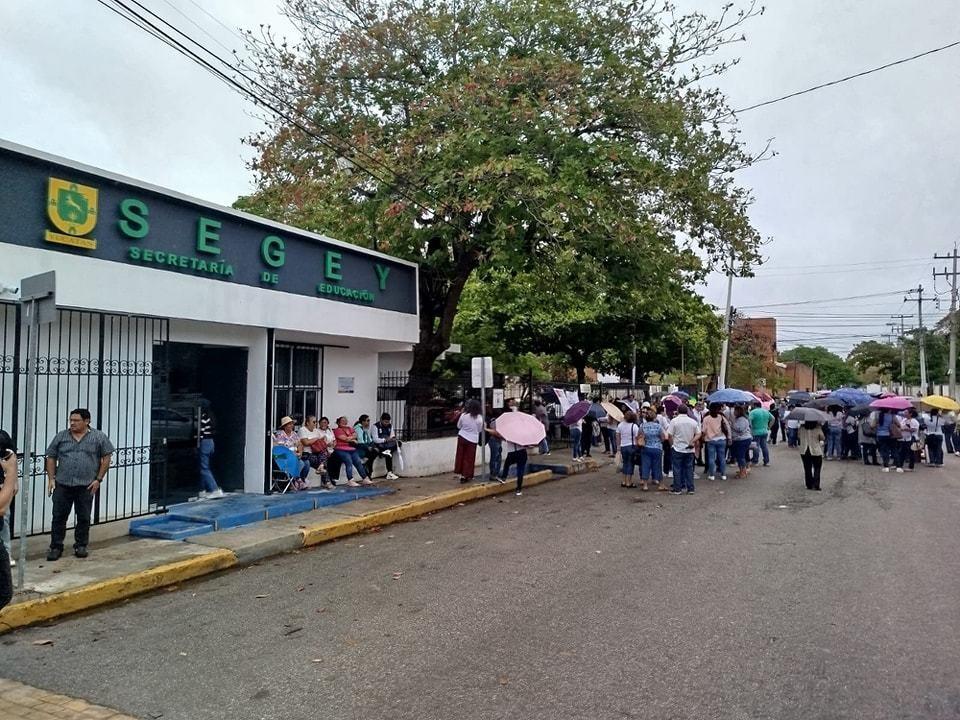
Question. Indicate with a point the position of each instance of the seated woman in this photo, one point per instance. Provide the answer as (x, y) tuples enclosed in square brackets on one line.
[(365, 444), (317, 444), (286, 437), (346, 450)]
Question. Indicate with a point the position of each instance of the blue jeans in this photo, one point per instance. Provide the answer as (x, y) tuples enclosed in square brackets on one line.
[(682, 471), (543, 447), (351, 459), (741, 448), (761, 441), (207, 480), (793, 437), (575, 435), (834, 438), (717, 453), (629, 454), (651, 464), (496, 455), (949, 437)]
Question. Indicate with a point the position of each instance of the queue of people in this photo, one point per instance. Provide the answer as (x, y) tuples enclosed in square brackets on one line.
[(325, 450)]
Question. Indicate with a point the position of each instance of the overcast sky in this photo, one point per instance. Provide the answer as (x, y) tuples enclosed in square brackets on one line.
[(864, 190)]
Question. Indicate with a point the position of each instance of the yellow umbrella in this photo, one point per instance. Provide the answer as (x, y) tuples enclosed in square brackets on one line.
[(940, 402)]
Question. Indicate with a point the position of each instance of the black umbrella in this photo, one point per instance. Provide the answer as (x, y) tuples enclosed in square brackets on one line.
[(821, 404), (860, 410), (798, 397)]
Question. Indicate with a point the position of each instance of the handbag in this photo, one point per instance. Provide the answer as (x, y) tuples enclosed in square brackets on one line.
[(399, 458), (618, 460), (914, 446)]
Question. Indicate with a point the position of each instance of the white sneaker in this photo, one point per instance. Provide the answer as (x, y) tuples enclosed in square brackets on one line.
[(723, 477), (670, 474), (218, 493), (886, 469), (392, 476), (899, 470), (519, 493), (13, 563), (712, 477), (387, 453)]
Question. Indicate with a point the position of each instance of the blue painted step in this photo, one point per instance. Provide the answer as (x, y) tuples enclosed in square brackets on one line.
[(196, 518)]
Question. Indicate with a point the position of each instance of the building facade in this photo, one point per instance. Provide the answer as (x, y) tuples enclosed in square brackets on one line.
[(167, 304)]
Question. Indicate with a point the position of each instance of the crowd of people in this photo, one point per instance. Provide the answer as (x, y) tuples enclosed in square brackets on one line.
[(317, 447)]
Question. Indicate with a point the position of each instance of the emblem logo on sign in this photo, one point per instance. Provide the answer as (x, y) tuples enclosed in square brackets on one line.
[(72, 210)]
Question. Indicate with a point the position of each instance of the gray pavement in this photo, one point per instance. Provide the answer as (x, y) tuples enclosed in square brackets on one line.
[(751, 599)]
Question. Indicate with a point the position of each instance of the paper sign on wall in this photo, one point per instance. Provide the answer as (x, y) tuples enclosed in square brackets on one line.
[(498, 398)]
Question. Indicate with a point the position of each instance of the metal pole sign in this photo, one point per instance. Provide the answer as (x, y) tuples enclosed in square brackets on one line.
[(38, 298), (481, 370)]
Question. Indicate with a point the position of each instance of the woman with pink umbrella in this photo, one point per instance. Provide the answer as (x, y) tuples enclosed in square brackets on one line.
[(519, 431)]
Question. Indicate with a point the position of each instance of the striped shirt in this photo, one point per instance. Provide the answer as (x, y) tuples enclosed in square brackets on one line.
[(206, 426)]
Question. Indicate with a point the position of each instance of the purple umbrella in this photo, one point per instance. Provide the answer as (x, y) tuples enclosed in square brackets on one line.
[(577, 411), (893, 403)]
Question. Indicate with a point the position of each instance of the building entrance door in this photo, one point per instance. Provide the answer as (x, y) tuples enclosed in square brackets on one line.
[(211, 377)]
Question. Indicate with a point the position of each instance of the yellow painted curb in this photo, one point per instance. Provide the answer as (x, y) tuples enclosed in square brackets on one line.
[(100, 593), (331, 530)]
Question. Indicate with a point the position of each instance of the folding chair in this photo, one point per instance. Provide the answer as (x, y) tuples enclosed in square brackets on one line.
[(285, 467)]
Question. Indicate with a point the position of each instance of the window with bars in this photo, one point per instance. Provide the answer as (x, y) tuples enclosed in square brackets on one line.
[(297, 381)]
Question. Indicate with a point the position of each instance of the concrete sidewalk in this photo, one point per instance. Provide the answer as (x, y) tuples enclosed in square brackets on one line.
[(128, 566)]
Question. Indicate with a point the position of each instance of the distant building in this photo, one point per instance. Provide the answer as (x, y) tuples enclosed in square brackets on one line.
[(760, 334), (802, 377)]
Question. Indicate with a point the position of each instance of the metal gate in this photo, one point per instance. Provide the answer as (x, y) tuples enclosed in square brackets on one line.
[(113, 365)]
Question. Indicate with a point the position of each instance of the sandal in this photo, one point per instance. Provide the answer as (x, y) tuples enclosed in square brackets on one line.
[(643, 486)]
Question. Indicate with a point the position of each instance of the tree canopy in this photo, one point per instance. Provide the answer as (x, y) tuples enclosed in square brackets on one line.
[(879, 357), (832, 371), (503, 135)]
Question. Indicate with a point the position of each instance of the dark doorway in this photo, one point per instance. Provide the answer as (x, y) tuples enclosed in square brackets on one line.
[(203, 376)]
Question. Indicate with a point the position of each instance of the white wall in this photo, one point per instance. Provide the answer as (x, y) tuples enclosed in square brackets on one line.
[(431, 457), (361, 365), (395, 361)]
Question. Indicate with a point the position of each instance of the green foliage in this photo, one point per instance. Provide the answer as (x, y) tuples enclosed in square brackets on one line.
[(590, 316), (504, 134), (832, 371), (937, 349), (875, 360)]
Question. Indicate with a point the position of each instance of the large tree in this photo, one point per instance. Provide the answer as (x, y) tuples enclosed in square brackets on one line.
[(501, 133), (874, 357)]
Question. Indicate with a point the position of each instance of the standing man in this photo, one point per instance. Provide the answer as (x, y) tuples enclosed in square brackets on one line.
[(760, 423), (77, 461), (684, 433)]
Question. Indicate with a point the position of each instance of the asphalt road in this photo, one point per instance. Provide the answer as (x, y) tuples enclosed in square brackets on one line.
[(578, 600)]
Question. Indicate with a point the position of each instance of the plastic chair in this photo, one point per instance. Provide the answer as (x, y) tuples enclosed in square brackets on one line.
[(285, 468)]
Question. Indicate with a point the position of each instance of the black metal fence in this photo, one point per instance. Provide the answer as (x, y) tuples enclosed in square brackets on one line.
[(110, 364), (424, 407)]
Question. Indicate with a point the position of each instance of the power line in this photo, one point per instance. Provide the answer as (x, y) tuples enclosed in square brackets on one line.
[(141, 22), (816, 302), (848, 78)]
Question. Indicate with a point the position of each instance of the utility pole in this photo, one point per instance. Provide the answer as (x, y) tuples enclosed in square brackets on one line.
[(952, 363), (725, 349), (923, 352), (903, 358)]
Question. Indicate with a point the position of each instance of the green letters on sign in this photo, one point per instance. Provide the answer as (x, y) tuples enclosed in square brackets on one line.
[(382, 273), (206, 236), (331, 266), (272, 251), (134, 223)]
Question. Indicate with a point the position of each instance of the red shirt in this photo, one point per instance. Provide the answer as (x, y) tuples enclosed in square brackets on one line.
[(342, 434)]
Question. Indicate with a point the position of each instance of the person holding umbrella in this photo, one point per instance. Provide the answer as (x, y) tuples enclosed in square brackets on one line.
[(716, 435), (934, 438), (811, 452), (867, 436), (909, 436), (886, 443), (742, 437), (518, 431)]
